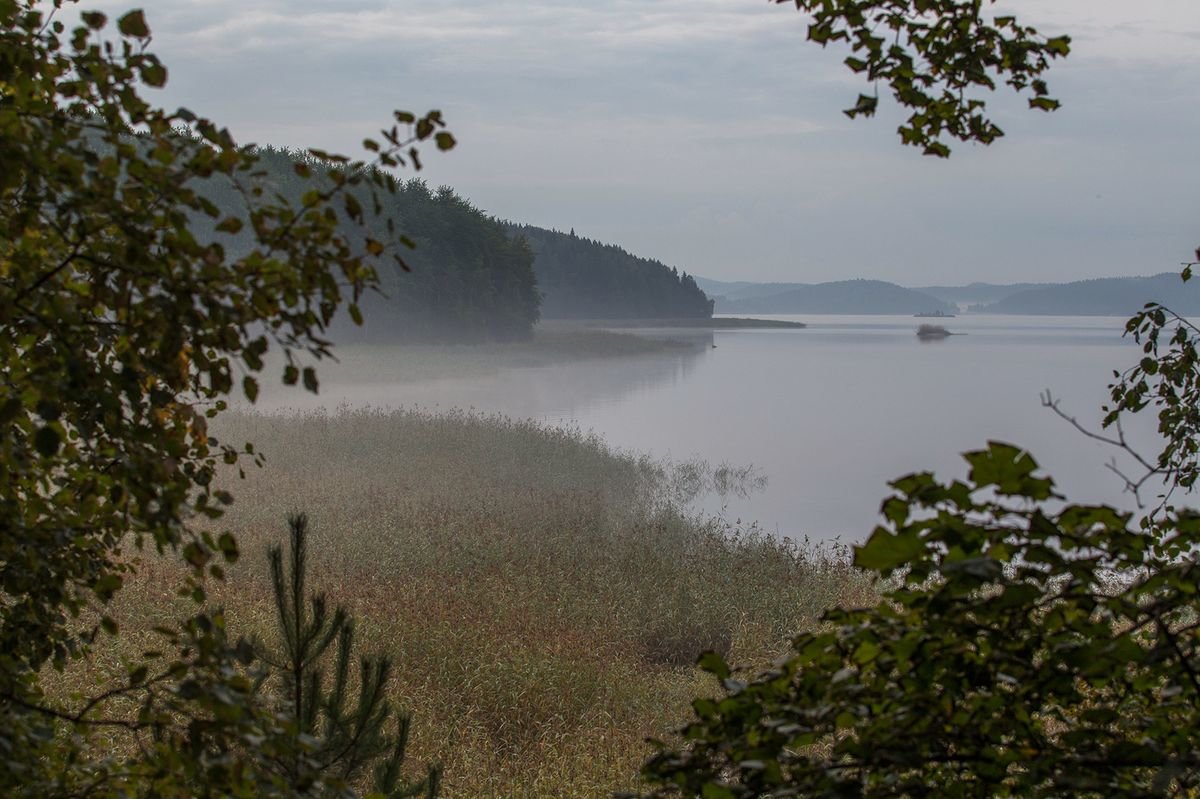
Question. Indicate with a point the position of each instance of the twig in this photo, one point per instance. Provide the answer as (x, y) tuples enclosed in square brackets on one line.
[(1120, 442)]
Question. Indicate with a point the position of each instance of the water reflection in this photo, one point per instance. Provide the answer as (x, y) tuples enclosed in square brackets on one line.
[(560, 391), (829, 414)]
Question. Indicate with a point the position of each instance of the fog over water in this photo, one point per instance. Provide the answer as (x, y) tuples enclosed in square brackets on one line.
[(829, 414)]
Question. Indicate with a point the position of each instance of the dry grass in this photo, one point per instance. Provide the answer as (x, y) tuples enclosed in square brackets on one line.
[(543, 595)]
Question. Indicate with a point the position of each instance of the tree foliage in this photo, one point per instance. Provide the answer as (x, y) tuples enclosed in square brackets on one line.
[(939, 58), (1025, 648), (471, 279), (584, 279), (466, 279), (124, 323), (1167, 379), (346, 740)]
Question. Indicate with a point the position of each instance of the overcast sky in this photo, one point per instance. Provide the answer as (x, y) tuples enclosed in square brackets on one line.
[(708, 133)]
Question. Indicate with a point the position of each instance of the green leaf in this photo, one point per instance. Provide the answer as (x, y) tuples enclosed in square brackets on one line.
[(714, 791), (714, 664), (47, 441), (1059, 45), (196, 555), (865, 106), (883, 552), (106, 586), (134, 24), (154, 73), (866, 652), (228, 546), (230, 224)]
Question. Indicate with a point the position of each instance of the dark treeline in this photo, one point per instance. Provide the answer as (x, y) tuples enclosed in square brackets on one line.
[(836, 297), (469, 280), (473, 277), (1110, 296), (585, 279)]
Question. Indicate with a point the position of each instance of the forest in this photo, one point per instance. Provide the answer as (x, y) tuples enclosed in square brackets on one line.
[(454, 275), (1112, 296), (471, 277), (586, 279), (837, 297), (989, 638)]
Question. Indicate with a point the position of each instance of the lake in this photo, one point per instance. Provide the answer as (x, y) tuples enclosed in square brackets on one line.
[(829, 414)]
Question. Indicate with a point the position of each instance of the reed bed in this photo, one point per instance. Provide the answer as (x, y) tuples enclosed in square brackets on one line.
[(544, 596)]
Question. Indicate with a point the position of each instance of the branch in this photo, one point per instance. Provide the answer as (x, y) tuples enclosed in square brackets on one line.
[(80, 716), (1184, 662), (49, 274), (1120, 442)]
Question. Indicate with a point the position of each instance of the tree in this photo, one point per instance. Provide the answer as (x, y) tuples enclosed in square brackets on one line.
[(1022, 646), (346, 741), (123, 329), (937, 57), (1024, 651)]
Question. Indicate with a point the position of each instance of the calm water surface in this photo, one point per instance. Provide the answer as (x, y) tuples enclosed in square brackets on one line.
[(829, 413)]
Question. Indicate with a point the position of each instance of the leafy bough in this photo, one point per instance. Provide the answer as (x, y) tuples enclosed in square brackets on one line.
[(1020, 652)]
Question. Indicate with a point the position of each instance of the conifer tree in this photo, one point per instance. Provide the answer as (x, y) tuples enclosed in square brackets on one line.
[(338, 741)]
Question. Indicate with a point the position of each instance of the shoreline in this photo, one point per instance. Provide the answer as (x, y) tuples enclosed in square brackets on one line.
[(721, 323)]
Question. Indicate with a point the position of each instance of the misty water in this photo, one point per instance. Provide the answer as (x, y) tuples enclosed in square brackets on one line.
[(829, 414)]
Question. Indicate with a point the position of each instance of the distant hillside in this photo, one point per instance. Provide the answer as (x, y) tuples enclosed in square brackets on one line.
[(979, 293), (584, 279), (473, 277), (470, 280), (1114, 296), (840, 297), (743, 290)]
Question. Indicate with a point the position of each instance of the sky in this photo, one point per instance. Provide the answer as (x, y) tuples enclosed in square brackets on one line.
[(708, 134)]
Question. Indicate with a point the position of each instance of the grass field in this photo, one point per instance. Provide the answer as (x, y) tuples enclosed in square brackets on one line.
[(543, 595)]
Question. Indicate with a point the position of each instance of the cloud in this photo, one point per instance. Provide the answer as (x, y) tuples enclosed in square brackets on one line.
[(1154, 31), (709, 134)]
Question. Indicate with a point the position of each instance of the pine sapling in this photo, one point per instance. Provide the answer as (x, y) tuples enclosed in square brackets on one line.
[(338, 741)]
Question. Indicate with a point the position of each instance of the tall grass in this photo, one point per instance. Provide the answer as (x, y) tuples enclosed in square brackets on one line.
[(543, 595)]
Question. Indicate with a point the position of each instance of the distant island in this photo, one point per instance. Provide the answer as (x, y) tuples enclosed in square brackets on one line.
[(931, 332), (976, 293), (837, 297), (1115, 296), (711, 323)]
